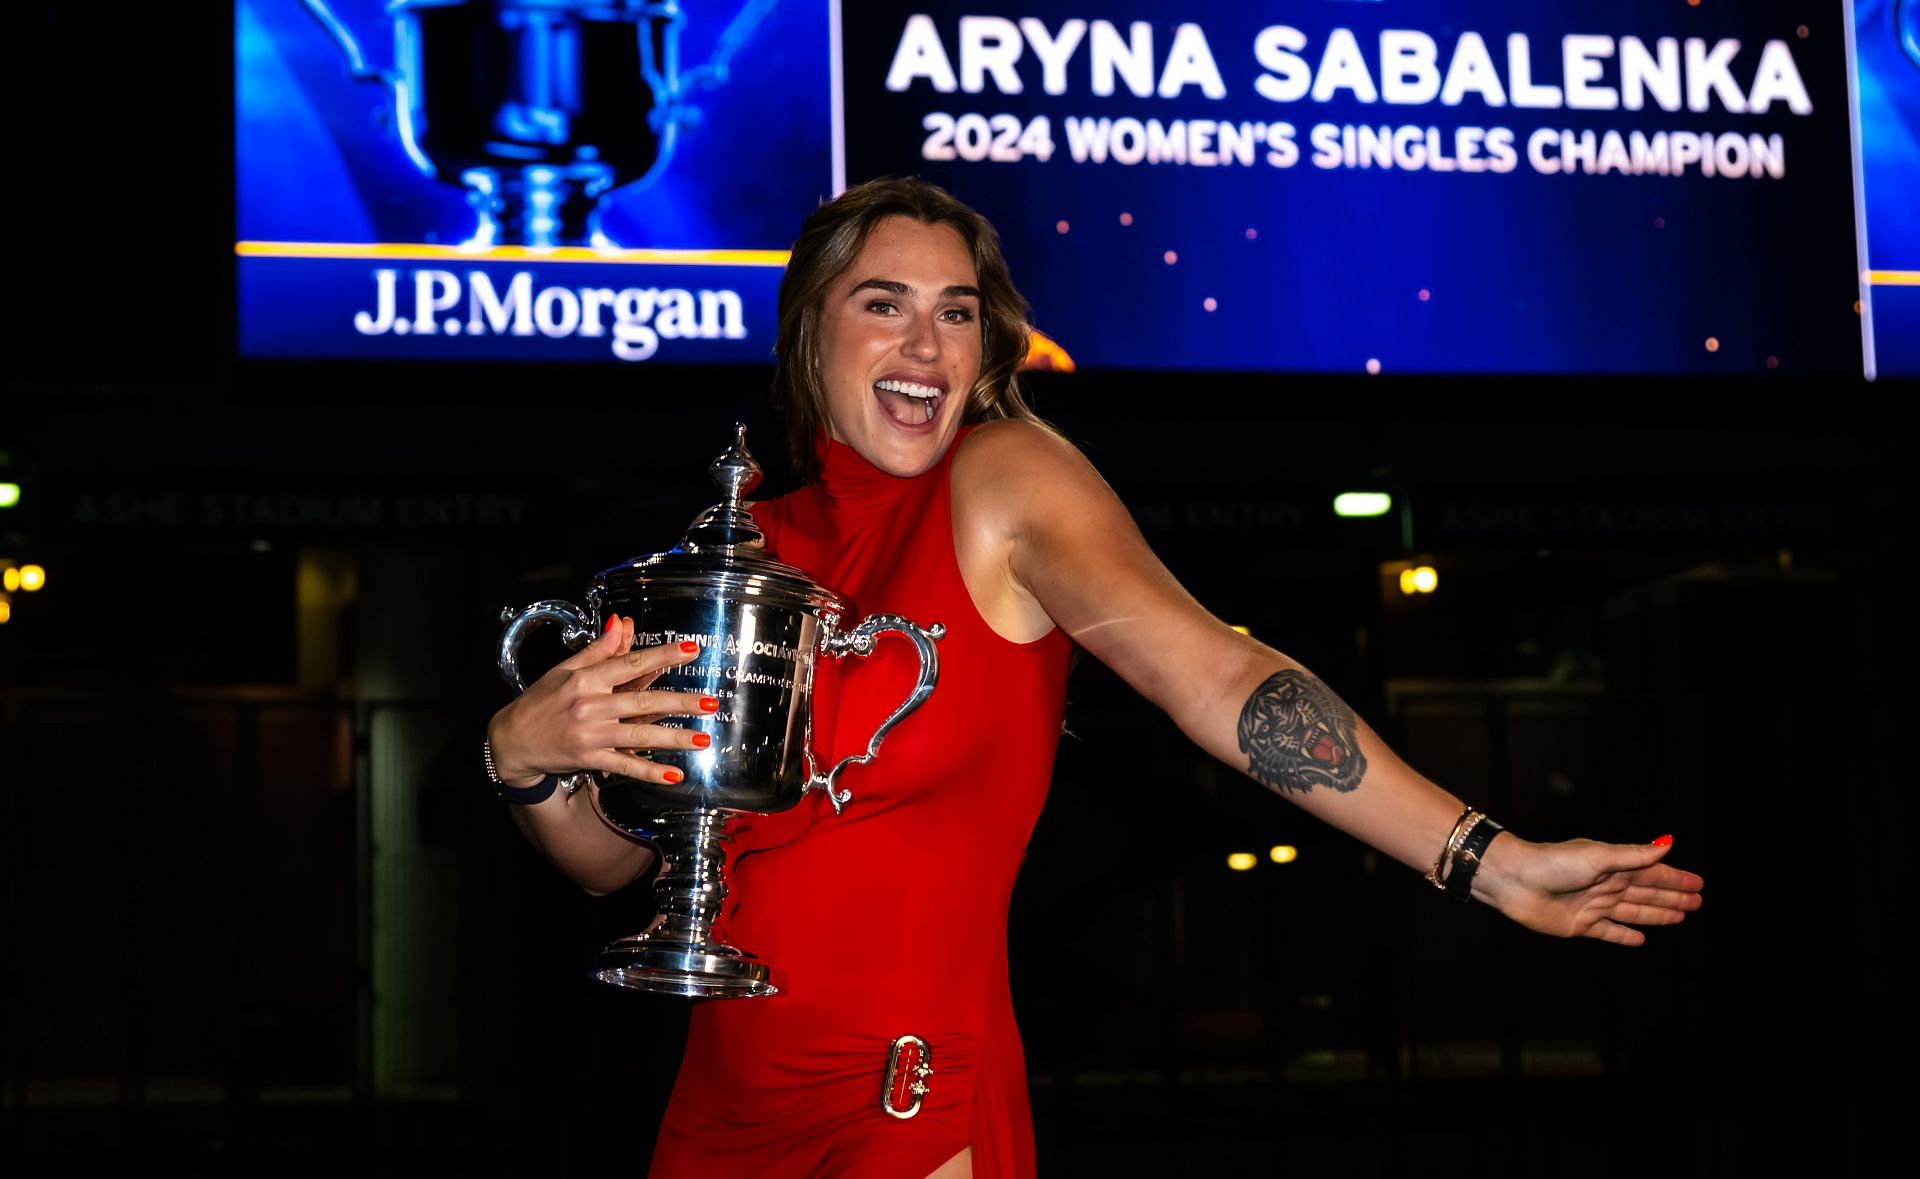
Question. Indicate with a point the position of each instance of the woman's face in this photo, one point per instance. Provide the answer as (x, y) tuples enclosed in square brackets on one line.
[(900, 345)]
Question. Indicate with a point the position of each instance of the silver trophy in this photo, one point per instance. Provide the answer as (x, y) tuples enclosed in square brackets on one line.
[(761, 626)]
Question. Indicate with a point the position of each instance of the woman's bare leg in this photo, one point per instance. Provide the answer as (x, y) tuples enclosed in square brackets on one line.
[(960, 1166)]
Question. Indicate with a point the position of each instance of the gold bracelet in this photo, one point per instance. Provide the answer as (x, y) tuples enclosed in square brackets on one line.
[(1452, 845), (1459, 844)]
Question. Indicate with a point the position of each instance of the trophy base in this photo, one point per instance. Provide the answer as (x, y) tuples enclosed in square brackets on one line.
[(708, 970)]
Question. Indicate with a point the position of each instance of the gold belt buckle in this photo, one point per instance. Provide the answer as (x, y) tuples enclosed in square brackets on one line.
[(909, 1064)]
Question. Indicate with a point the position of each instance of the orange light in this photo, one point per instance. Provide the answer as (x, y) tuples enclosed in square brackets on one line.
[(1061, 227), (1713, 343), (1169, 257), (1242, 861), (1044, 352), (1283, 853), (11, 579), (1420, 579), (1210, 303), (32, 577), (1126, 218)]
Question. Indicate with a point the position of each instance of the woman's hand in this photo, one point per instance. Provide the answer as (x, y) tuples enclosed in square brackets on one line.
[(594, 711), (1583, 888)]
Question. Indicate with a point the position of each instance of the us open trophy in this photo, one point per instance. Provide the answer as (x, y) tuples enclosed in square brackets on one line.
[(539, 108), (762, 627)]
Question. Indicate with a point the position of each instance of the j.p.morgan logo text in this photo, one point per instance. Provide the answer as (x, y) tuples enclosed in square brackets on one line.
[(633, 319)]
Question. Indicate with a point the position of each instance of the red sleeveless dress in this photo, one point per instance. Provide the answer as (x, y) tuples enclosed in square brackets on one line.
[(889, 919)]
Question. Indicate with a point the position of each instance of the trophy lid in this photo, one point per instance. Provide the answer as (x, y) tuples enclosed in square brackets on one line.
[(729, 525), (724, 551)]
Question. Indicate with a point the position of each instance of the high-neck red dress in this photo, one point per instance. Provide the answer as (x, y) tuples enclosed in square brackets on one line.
[(889, 919)]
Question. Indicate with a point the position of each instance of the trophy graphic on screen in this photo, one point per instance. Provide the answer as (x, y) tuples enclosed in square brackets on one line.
[(540, 109)]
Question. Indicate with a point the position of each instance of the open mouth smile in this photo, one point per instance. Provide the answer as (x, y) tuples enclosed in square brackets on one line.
[(909, 403)]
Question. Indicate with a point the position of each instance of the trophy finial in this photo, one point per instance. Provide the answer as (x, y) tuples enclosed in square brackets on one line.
[(727, 524), (735, 472)]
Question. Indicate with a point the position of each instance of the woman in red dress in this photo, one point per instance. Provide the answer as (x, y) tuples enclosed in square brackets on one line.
[(935, 493)]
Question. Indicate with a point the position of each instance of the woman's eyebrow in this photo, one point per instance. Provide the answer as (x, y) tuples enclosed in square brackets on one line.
[(899, 288)]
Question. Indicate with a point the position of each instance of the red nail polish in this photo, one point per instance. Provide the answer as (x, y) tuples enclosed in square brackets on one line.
[(1663, 841), (709, 704), (674, 776), (702, 740), (689, 646), (611, 619)]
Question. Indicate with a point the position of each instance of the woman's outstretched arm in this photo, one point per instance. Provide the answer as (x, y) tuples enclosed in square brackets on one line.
[(1074, 552)]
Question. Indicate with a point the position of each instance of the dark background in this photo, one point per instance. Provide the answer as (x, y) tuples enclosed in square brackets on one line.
[(260, 910)]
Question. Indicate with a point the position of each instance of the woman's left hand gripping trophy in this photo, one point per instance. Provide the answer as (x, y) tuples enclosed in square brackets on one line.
[(747, 632), (595, 710)]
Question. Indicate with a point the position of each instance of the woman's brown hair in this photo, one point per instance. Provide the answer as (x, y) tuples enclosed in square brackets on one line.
[(829, 241)]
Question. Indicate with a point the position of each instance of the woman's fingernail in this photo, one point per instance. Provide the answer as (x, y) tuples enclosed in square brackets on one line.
[(689, 647), (1663, 841), (611, 619), (709, 704), (702, 740), (674, 776)]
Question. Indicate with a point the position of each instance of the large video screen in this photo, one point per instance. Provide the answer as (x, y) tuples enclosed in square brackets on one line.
[(1887, 98), (1402, 186)]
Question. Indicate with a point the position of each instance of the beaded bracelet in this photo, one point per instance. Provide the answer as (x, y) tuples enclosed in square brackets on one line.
[(1447, 850), (1466, 843), (539, 792)]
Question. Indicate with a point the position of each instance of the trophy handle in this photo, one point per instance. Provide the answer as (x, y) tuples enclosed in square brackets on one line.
[(343, 39), (859, 641), (577, 631)]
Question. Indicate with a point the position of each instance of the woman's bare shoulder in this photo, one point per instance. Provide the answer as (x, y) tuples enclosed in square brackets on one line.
[(1012, 452), (1019, 482)]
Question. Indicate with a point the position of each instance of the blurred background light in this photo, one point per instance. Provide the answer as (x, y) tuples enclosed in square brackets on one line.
[(1362, 503)]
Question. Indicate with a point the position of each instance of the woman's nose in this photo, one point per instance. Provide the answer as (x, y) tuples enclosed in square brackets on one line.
[(923, 338)]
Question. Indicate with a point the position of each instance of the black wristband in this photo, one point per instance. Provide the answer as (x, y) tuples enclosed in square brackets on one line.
[(1466, 861), (539, 792)]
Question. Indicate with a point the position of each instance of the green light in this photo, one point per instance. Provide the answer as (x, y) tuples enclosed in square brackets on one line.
[(9, 494), (1362, 503)]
